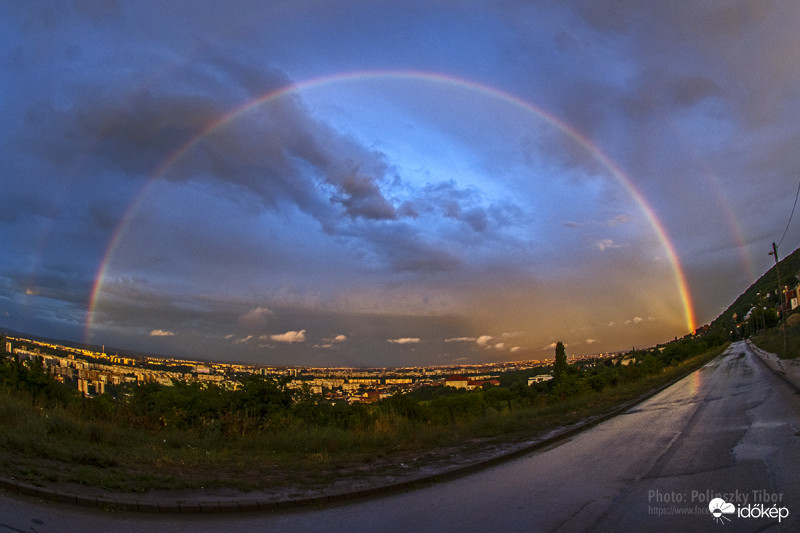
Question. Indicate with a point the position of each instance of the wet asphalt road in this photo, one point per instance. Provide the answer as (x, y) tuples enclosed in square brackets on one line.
[(731, 429)]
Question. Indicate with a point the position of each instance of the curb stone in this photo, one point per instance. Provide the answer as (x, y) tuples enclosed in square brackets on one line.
[(795, 384)]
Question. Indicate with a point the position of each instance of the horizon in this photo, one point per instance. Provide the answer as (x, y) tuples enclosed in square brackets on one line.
[(124, 352)]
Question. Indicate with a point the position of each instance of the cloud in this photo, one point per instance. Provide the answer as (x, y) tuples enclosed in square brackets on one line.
[(290, 337), (461, 339), (634, 320), (408, 249), (257, 316), (161, 333), (619, 220), (404, 340), (362, 197), (279, 157), (605, 244), (243, 340), (591, 341), (331, 341), (483, 340), (552, 346)]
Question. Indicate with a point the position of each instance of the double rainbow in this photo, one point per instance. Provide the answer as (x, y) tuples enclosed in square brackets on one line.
[(431, 77)]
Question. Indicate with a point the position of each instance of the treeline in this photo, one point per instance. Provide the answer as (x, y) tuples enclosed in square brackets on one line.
[(31, 380), (265, 405)]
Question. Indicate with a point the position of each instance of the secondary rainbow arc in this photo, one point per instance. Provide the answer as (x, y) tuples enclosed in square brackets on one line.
[(435, 77)]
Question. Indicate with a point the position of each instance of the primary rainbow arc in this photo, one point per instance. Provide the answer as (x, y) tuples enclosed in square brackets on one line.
[(433, 77)]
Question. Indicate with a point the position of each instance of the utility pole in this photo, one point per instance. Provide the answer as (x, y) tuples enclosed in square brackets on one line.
[(780, 296)]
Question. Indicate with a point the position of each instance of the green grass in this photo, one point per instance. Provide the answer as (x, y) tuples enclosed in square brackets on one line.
[(55, 445), (773, 341)]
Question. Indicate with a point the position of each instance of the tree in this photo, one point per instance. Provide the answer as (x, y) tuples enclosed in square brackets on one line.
[(560, 366)]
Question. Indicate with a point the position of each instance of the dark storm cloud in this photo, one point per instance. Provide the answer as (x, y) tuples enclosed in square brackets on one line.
[(135, 304), (412, 256), (362, 197), (686, 52), (276, 152), (103, 216), (129, 122), (136, 134), (63, 285), (660, 92), (407, 251), (21, 202), (689, 90), (466, 205)]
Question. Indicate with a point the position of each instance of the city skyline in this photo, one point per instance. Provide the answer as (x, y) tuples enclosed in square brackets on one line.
[(321, 184)]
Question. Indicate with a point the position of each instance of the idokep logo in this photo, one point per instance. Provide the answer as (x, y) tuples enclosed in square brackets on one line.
[(719, 508)]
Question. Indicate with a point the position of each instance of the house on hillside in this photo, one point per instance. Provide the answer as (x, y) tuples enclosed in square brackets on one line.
[(792, 301), (457, 381), (539, 378)]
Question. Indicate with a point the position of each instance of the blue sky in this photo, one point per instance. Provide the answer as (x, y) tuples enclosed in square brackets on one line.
[(436, 182)]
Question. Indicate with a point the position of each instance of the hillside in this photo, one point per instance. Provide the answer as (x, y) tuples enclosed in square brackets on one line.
[(765, 285)]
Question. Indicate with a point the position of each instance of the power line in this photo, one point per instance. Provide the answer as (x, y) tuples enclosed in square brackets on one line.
[(790, 216)]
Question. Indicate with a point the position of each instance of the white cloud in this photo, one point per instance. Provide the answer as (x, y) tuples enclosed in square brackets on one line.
[(515, 349), (461, 339), (483, 340), (243, 340), (161, 333), (290, 336), (329, 342), (618, 220), (404, 340), (634, 320), (552, 346), (605, 244), (591, 341), (258, 315), (500, 346)]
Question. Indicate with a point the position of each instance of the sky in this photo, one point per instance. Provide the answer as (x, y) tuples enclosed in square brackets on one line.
[(400, 183)]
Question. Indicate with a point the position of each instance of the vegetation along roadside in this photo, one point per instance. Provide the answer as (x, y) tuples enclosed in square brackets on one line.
[(261, 433)]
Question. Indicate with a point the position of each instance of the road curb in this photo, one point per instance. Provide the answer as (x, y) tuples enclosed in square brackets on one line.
[(187, 506), (780, 373)]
